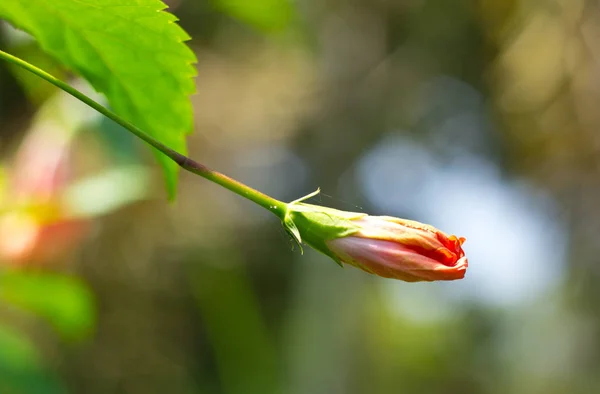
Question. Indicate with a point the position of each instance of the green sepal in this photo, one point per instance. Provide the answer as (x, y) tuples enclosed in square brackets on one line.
[(292, 230), (314, 224)]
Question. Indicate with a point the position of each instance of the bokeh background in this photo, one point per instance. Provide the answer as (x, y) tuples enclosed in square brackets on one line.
[(479, 117)]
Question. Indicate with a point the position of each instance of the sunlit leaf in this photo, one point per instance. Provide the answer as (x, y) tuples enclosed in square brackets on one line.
[(64, 301), (129, 50)]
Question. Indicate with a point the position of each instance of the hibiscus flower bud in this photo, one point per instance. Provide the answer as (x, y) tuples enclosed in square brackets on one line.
[(381, 245)]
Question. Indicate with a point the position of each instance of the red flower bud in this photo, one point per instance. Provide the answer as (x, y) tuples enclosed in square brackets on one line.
[(401, 249), (381, 245)]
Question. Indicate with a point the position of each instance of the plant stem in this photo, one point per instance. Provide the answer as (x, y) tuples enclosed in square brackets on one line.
[(267, 202)]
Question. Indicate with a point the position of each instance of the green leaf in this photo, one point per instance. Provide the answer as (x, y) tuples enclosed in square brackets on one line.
[(266, 15), (130, 50), (64, 301)]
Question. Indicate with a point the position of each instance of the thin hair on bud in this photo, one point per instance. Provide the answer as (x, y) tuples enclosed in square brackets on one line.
[(332, 198)]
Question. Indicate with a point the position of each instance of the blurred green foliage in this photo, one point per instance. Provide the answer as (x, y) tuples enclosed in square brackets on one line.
[(266, 15), (20, 367), (245, 366), (63, 301)]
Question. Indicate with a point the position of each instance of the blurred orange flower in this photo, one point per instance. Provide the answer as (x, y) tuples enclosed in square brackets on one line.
[(33, 226)]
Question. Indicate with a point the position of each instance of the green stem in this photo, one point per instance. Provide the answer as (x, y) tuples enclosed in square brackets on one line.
[(277, 207)]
